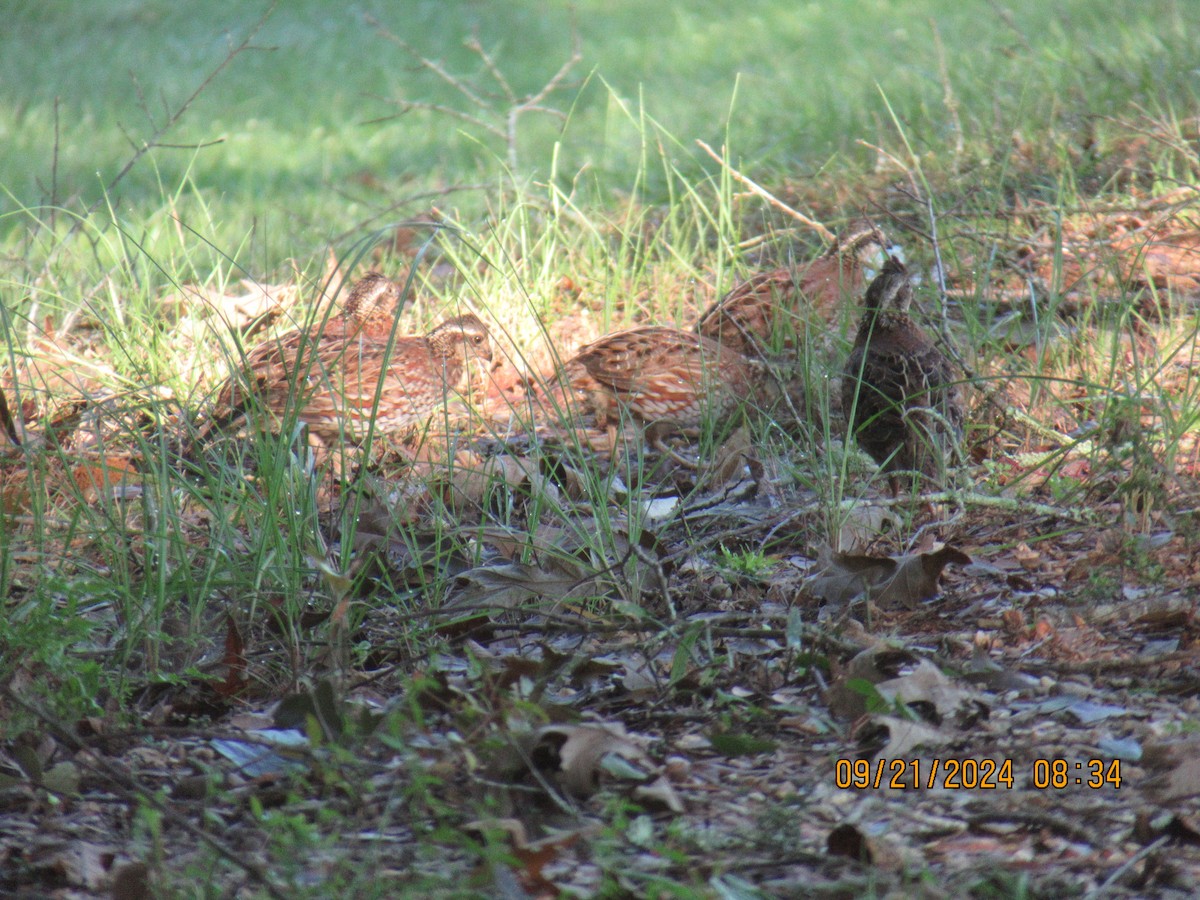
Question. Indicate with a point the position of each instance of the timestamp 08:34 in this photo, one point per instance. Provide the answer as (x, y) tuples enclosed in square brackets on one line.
[(975, 774)]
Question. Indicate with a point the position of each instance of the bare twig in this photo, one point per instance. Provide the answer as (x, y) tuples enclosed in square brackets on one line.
[(410, 105), (432, 65), (896, 161), (939, 270), (502, 123), (755, 188), (473, 44), (152, 142), (173, 118), (1121, 871), (987, 501)]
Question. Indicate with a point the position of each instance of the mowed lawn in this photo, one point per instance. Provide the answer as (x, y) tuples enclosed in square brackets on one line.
[(295, 142)]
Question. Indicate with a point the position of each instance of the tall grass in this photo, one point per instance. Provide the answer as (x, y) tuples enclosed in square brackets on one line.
[(631, 261)]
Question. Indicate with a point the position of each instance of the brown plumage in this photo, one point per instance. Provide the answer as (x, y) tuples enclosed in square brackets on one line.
[(334, 378), (668, 380), (899, 391), (766, 312)]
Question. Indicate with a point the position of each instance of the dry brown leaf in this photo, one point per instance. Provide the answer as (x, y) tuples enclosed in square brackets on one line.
[(68, 864), (467, 486), (510, 584), (582, 757), (898, 676), (105, 477), (864, 524), (734, 465), (549, 541), (1176, 765), (533, 855), (928, 686), (234, 311), (898, 738), (874, 665), (890, 581)]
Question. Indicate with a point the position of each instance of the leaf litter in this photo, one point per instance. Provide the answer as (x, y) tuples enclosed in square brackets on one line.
[(517, 664)]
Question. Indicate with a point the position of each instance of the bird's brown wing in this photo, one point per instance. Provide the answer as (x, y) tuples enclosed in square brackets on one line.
[(757, 315)]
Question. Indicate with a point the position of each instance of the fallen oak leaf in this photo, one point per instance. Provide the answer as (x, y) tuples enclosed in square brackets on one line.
[(508, 585), (581, 758), (468, 483), (888, 580), (898, 738), (111, 476), (532, 855), (916, 577), (1173, 769), (853, 688), (880, 678), (928, 690)]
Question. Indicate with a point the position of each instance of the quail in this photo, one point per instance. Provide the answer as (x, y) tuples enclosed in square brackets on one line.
[(771, 308), (666, 379), (899, 392), (353, 371)]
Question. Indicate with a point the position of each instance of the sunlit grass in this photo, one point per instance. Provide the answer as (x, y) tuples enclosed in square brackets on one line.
[(305, 150)]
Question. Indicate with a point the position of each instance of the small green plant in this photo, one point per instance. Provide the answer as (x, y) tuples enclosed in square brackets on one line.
[(748, 563)]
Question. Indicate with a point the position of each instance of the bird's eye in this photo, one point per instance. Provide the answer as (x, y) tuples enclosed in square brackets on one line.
[(478, 339)]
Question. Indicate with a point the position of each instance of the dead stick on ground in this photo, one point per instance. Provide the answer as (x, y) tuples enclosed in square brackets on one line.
[(767, 195), (1012, 504)]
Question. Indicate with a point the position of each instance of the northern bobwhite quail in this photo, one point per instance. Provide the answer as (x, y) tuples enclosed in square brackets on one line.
[(899, 392), (668, 380), (767, 311), (334, 379)]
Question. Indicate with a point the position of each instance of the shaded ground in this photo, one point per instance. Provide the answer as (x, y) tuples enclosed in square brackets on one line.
[(705, 701)]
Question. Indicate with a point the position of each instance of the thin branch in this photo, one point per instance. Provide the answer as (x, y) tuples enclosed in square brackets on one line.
[(426, 63), (506, 108), (816, 226), (553, 84), (151, 143), (174, 117), (548, 110), (197, 146), (476, 47), (407, 106), (987, 501)]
